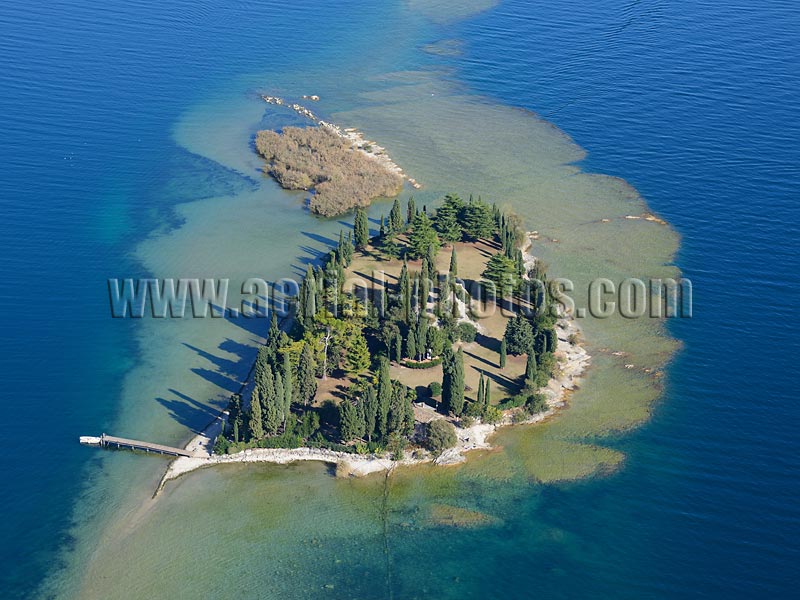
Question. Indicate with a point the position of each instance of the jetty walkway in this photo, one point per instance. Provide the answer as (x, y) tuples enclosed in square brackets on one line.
[(110, 441)]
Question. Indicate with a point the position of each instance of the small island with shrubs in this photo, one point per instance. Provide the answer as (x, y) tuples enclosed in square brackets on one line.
[(406, 346), (340, 175)]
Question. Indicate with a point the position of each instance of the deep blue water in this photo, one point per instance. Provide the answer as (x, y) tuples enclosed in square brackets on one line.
[(695, 104)]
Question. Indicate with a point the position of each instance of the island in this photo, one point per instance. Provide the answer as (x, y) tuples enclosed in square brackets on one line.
[(409, 346)]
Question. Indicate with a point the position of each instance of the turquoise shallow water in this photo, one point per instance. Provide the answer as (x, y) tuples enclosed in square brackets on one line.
[(112, 117)]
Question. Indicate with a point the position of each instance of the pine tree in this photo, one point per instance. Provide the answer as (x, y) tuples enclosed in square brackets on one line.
[(361, 229), (519, 335), (256, 425), (477, 220), (306, 374), (422, 237), (446, 220), (357, 358), (453, 264), (411, 210), (503, 351)]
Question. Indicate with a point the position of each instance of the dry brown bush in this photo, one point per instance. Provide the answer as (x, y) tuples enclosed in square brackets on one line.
[(305, 158)]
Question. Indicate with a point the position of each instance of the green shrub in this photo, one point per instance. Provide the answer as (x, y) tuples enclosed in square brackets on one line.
[(466, 332), (492, 415), (434, 388), (427, 364), (536, 403), (440, 435)]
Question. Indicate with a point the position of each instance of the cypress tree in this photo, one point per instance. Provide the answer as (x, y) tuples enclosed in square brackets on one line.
[(361, 229), (411, 345), (530, 370), (384, 393), (453, 381), (486, 396), (306, 375), (395, 217), (348, 421), (256, 425), (398, 347), (271, 409), (431, 258), (453, 263), (383, 227), (480, 391), (503, 351), (287, 387), (411, 211), (404, 287), (457, 399), (370, 412)]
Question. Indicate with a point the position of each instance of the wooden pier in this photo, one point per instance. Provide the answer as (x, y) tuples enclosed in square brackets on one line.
[(109, 441)]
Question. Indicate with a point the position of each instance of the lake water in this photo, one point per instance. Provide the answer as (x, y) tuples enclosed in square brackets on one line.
[(127, 136)]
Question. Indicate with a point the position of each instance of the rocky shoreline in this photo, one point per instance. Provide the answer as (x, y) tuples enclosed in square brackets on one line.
[(356, 139), (573, 361)]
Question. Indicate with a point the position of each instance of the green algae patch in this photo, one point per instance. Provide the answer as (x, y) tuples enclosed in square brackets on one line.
[(455, 516)]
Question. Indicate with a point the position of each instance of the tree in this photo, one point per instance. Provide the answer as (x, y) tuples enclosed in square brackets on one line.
[(530, 370), (446, 220), (370, 411), (503, 351), (361, 229), (480, 391), (404, 289), (256, 426), (306, 374), (384, 397), (502, 271), (270, 406), (453, 263), (477, 220), (357, 358), (287, 387), (411, 345), (350, 426), (411, 210), (395, 217), (519, 335), (440, 435), (308, 297), (422, 237), (453, 382), (398, 345)]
